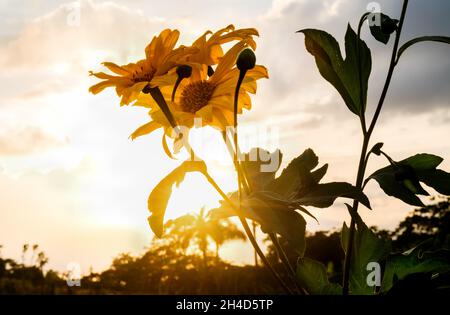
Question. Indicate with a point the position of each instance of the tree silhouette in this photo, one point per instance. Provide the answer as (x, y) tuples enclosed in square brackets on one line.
[(431, 221), (198, 229)]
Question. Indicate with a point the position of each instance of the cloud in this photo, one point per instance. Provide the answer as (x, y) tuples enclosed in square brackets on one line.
[(55, 38), (28, 140), (420, 82), (54, 52)]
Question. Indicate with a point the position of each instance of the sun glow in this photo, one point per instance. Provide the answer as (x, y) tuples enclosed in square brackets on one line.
[(194, 193)]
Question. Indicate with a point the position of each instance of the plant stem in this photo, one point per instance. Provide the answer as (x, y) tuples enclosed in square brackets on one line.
[(241, 174), (285, 260), (159, 99), (363, 160), (246, 185), (354, 211), (255, 254), (235, 133), (248, 232), (391, 69)]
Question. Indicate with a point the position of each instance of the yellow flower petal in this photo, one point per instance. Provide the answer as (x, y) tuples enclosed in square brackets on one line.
[(228, 61), (97, 88), (222, 119), (166, 147), (205, 113), (164, 80), (258, 72), (131, 78), (145, 129), (115, 68)]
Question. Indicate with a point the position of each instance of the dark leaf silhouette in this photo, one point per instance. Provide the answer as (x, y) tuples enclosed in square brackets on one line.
[(312, 275), (342, 74), (402, 179)]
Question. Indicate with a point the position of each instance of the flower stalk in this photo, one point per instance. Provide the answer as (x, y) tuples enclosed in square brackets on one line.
[(159, 98), (246, 61), (366, 139)]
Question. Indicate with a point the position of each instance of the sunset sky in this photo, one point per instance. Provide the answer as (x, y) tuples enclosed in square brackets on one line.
[(73, 182)]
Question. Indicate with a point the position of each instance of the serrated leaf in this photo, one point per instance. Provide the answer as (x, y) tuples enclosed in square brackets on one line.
[(312, 276), (324, 195), (275, 200), (414, 261), (160, 195), (260, 166), (296, 176), (298, 185), (392, 187), (342, 74), (319, 173), (401, 180)]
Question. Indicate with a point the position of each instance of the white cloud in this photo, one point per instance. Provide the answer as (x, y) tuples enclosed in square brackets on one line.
[(27, 140)]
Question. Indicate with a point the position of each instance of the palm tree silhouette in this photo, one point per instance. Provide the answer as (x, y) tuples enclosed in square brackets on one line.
[(197, 228)]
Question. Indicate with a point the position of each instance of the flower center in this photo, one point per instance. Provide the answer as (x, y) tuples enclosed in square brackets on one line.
[(195, 96), (142, 74)]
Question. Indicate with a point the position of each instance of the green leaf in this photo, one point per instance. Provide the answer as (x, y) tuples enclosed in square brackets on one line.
[(392, 187), (382, 31), (401, 180), (160, 195), (296, 176), (260, 166), (423, 161), (319, 173), (324, 195), (342, 74), (312, 275), (273, 216), (275, 200), (437, 179), (441, 39), (300, 184), (422, 284), (367, 248), (414, 261)]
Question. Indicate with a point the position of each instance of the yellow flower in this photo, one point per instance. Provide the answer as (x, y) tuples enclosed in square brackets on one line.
[(208, 98), (130, 79), (210, 50)]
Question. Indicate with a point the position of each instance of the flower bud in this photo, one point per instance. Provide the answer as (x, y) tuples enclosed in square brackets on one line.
[(376, 149), (184, 71), (246, 60), (388, 25), (210, 71)]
